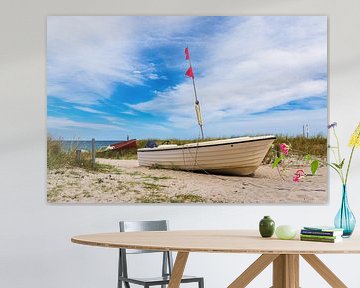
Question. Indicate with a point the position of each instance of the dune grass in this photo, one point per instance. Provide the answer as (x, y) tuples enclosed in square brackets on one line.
[(316, 146), (127, 154), (299, 147), (59, 158)]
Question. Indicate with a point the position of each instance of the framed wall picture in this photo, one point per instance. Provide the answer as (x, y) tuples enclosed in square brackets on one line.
[(180, 109)]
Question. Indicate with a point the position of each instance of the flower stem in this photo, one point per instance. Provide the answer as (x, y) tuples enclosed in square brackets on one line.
[(334, 154), (351, 155), (338, 146), (348, 167), (282, 178), (338, 150), (335, 168)]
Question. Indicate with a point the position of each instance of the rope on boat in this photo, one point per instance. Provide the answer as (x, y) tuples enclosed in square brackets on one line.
[(197, 165)]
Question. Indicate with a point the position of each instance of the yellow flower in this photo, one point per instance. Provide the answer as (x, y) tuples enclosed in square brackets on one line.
[(355, 138)]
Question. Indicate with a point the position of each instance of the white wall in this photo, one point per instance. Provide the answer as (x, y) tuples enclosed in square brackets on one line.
[(35, 248)]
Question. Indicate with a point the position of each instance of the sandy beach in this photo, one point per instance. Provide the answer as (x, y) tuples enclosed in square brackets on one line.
[(123, 181)]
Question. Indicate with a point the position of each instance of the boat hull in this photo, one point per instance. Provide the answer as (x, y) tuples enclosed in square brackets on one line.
[(234, 156), (129, 144)]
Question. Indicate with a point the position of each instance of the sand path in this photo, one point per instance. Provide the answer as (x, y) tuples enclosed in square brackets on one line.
[(126, 182)]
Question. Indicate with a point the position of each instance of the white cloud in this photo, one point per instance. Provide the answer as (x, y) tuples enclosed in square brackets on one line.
[(253, 65), (88, 109), (128, 112), (242, 66), (115, 120), (65, 123), (89, 55), (280, 123)]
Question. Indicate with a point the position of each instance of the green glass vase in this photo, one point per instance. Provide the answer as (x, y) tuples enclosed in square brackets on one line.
[(266, 227)]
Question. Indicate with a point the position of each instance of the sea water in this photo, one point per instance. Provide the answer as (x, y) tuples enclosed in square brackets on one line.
[(86, 145)]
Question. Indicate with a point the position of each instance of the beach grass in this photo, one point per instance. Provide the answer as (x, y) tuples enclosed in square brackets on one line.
[(127, 154), (58, 158), (316, 145), (300, 145), (158, 197)]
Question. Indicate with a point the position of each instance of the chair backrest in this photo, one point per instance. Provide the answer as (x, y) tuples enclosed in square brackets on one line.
[(134, 226)]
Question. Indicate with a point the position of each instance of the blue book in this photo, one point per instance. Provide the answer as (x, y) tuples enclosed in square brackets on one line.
[(322, 231)]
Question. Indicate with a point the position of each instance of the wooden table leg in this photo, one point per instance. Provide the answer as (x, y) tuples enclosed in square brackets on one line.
[(178, 270), (324, 271), (279, 269), (286, 271), (293, 264), (253, 270)]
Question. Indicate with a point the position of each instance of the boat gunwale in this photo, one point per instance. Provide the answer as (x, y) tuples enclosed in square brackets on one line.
[(207, 145)]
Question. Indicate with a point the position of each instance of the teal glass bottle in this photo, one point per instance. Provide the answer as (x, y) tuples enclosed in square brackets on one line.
[(266, 226), (345, 219)]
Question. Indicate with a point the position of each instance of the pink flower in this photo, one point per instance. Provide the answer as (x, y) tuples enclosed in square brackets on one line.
[(284, 148), (298, 175), (300, 172)]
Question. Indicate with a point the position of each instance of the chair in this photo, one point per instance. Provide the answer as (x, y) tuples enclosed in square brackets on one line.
[(167, 262)]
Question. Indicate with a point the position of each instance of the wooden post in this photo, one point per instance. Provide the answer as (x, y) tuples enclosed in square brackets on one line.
[(93, 151), (78, 155)]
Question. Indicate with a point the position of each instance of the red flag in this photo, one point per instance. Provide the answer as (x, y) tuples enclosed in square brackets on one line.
[(190, 72), (187, 53)]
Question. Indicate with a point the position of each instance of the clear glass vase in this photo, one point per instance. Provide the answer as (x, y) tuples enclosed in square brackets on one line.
[(345, 219)]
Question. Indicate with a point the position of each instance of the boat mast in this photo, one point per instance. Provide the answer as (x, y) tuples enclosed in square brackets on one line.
[(190, 73)]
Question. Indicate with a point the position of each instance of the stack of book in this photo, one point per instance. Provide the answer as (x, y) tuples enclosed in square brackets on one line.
[(321, 234)]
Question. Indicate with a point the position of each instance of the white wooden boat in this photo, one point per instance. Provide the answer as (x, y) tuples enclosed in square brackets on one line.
[(233, 156)]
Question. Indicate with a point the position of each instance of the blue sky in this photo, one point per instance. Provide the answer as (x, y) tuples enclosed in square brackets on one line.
[(113, 76)]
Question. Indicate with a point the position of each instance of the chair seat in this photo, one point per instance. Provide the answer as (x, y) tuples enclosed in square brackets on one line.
[(167, 262), (158, 280)]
